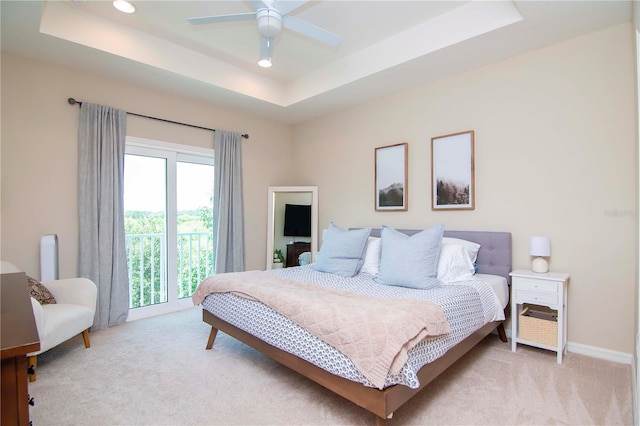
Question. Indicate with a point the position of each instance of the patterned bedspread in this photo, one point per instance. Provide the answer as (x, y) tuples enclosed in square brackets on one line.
[(467, 305)]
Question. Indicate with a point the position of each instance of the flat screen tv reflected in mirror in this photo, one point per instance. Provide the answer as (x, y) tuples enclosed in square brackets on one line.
[(297, 220)]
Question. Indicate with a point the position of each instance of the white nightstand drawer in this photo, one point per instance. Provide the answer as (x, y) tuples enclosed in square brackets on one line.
[(536, 285), (524, 296)]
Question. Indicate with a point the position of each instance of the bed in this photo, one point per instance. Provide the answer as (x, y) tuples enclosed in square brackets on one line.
[(493, 262)]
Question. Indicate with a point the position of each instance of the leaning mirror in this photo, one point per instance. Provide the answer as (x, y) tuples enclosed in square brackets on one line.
[(292, 227)]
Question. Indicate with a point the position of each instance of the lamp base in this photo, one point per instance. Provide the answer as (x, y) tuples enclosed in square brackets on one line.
[(540, 265)]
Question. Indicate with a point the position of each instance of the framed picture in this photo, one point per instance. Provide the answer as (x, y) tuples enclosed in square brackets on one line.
[(391, 177), (452, 172)]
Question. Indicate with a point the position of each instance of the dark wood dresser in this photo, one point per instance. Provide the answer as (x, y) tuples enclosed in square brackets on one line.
[(294, 251), (19, 337)]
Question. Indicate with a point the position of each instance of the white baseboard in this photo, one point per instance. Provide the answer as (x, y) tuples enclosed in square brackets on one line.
[(595, 352)]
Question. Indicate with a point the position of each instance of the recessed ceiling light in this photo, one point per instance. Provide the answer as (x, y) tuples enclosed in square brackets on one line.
[(124, 6)]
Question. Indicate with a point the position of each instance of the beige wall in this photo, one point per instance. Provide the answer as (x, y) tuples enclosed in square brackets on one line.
[(554, 155), (39, 154)]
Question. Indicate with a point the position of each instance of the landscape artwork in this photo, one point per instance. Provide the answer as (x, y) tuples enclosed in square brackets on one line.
[(391, 177), (452, 172)]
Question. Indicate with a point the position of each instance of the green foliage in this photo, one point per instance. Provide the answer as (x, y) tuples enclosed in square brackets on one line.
[(278, 253), (139, 222), (146, 270), (195, 261), (145, 236), (206, 214), (193, 221)]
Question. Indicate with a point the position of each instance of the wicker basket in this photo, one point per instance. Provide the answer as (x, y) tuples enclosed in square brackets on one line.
[(539, 324)]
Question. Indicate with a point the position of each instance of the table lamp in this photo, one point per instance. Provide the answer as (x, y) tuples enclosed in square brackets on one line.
[(540, 247)]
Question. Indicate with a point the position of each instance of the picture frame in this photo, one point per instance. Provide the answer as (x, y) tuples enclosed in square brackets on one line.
[(452, 171), (391, 177)]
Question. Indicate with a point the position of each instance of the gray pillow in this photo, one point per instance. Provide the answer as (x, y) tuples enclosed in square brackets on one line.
[(410, 261), (342, 251)]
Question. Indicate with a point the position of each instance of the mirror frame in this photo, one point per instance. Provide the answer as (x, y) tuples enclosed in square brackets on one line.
[(273, 191)]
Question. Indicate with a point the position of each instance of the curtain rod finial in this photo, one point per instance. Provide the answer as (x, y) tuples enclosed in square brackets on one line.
[(246, 136), (72, 101)]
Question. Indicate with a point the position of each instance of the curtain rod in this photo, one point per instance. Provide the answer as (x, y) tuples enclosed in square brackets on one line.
[(72, 101)]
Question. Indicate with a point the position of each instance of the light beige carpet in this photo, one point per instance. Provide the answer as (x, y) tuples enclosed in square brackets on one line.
[(157, 372)]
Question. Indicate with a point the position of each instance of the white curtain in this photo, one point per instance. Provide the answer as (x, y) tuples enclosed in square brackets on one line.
[(228, 207), (101, 245)]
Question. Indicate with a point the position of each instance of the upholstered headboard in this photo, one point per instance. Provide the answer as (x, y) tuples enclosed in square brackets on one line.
[(494, 256)]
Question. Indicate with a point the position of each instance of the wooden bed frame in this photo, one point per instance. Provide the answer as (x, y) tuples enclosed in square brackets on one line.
[(494, 258)]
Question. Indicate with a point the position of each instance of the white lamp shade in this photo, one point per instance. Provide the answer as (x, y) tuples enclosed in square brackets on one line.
[(540, 246)]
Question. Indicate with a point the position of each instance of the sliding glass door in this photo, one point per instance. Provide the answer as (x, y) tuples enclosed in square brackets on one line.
[(194, 183), (168, 199), (145, 211)]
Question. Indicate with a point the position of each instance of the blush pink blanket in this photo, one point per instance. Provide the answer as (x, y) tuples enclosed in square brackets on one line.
[(374, 333)]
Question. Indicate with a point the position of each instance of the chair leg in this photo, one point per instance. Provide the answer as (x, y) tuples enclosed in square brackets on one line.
[(85, 337), (33, 360), (33, 364)]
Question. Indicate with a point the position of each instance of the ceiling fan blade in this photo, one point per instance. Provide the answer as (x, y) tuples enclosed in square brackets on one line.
[(312, 31), (287, 6), (259, 4), (222, 18)]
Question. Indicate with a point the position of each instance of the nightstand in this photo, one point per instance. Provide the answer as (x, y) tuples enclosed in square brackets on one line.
[(294, 250), (542, 289)]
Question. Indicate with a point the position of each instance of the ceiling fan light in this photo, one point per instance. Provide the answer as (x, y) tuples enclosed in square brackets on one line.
[(266, 45), (124, 6)]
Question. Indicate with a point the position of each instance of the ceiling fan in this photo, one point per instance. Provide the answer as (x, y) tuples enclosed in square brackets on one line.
[(271, 16)]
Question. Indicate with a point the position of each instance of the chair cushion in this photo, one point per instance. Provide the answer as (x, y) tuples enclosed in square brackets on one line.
[(40, 292), (63, 321)]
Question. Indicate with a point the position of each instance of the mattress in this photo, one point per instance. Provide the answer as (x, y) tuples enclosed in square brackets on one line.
[(467, 305), (499, 286)]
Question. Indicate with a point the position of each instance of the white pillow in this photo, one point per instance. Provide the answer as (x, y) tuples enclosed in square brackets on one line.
[(454, 264), (374, 247), (470, 247), (371, 263)]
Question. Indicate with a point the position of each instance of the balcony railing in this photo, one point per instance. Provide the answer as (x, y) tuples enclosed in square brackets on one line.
[(146, 259)]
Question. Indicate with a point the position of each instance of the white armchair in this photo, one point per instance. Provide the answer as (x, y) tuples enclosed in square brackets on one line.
[(72, 314)]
